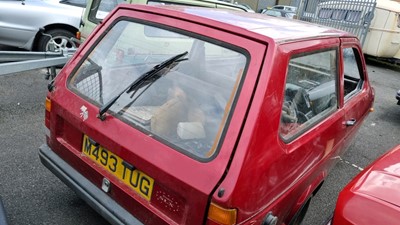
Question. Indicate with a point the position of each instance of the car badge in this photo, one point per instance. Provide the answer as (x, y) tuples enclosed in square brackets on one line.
[(84, 113)]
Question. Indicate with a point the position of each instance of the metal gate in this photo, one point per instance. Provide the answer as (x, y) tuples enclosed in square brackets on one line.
[(353, 16)]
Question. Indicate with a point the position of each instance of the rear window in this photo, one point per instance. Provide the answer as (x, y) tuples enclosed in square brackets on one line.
[(185, 106)]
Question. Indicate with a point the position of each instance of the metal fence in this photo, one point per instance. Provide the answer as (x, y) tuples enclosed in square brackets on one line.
[(353, 16)]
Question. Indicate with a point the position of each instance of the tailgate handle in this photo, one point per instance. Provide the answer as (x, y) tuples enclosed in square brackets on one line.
[(351, 122)]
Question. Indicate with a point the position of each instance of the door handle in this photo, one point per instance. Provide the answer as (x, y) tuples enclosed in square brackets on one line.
[(351, 122)]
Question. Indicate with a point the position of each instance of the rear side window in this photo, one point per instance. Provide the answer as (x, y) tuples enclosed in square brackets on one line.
[(310, 92), (185, 105), (353, 80)]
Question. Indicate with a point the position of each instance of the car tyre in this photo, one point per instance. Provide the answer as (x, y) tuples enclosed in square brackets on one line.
[(61, 37)]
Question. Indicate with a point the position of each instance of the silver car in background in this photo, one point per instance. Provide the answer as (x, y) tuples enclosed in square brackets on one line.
[(279, 13), (21, 22)]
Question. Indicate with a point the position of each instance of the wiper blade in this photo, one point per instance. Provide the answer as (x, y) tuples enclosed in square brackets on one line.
[(140, 82)]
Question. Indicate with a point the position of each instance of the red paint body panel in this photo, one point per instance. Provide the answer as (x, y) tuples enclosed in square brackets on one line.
[(258, 171), (372, 197)]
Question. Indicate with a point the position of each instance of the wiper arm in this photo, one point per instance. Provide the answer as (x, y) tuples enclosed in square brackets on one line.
[(138, 83), (154, 71)]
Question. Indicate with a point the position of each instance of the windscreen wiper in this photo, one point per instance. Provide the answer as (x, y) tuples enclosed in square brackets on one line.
[(151, 75)]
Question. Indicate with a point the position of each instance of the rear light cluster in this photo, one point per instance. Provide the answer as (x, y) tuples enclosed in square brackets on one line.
[(220, 215), (47, 106)]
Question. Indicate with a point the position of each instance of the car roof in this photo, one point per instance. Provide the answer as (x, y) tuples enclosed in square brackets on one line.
[(255, 24)]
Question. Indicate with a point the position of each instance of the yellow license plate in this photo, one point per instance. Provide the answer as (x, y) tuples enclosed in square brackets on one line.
[(136, 179)]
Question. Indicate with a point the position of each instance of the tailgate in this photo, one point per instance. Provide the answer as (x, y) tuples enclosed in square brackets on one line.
[(143, 113)]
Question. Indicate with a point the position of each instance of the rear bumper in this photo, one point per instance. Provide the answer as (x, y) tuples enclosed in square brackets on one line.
[(86, 190)]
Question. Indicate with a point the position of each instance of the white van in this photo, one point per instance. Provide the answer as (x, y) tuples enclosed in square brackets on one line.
[(383, 36)]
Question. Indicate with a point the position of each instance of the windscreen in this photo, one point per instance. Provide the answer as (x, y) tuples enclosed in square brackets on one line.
[(101, 8), (184, 105)]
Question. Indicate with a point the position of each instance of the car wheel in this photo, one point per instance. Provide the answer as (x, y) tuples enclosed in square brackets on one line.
[(61, 38)]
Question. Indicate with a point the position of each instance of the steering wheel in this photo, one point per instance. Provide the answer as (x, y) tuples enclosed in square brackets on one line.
[(295, 106), (303, 105)]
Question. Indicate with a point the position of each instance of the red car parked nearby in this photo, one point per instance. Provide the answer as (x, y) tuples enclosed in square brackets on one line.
[(373, 196), (185, 115)]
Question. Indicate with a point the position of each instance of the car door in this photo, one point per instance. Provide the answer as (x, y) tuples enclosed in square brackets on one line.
[(305, 77), (20, 21), (356, 91), (14, 30), (311, 95), (311, 120)]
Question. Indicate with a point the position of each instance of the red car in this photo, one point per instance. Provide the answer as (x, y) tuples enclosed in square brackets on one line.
[(185, 115), (372, 197)]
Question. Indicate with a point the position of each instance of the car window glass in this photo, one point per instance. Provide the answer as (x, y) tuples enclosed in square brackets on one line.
[(273, 13), (104, 7), (80, 3), (352, 77), (290, 15), (310, 91), (187, 106)]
